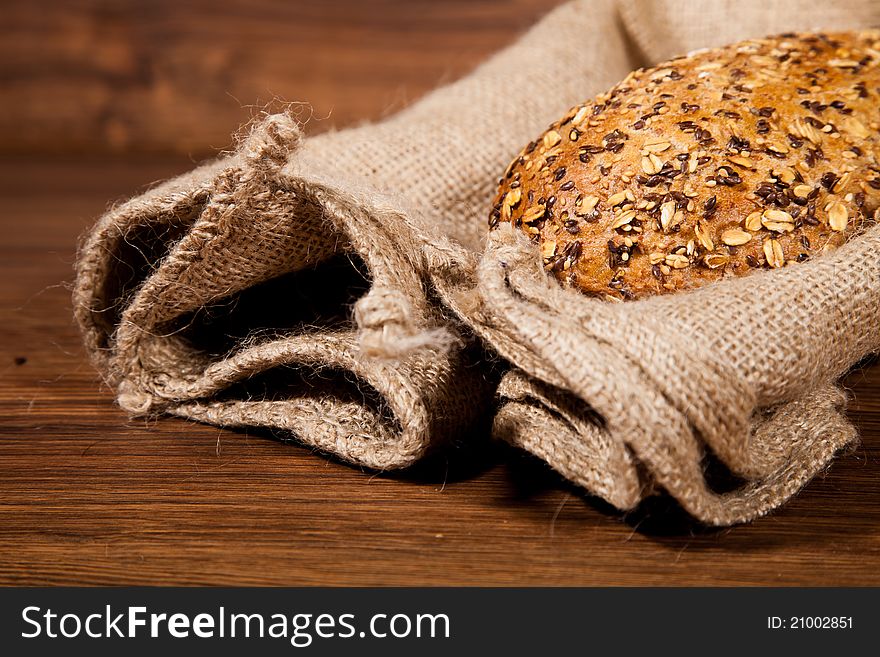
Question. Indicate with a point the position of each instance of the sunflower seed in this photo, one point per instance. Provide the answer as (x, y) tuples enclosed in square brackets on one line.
[(741, 161), (513, 197), (843, 63), (589, 204), (806, 130), (787, 176), (651, 164), (657, 147)]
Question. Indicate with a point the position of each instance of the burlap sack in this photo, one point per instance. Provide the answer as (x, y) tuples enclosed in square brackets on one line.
[(740, 371), (225, 296), (287, 286)]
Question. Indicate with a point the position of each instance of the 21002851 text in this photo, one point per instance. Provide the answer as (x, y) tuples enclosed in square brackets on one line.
[(810, 623)]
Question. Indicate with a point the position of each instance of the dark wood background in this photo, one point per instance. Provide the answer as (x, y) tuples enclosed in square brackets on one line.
[(101, 98)]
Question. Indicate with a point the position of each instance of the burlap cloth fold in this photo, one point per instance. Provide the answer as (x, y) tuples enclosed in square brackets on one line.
[(187, 303), (287, 285), (332, 287)]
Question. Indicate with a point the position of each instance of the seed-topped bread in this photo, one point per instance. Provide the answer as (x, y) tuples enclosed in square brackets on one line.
[(756, 155)]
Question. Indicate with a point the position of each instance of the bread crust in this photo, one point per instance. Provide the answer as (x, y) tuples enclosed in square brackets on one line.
[(752, 156)]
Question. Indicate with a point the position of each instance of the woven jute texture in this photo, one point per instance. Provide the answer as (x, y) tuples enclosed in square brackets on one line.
[(341, 288), (172, 295), (210, 296)]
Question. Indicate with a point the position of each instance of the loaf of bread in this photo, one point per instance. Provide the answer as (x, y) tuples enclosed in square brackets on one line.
[(752, 156)]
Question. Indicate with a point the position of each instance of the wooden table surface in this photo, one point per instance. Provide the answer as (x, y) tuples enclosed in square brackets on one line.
[(90, 497)]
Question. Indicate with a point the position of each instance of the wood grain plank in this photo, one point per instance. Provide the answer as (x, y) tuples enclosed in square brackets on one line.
[(164, 76), (88, 496), (101, 93)]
